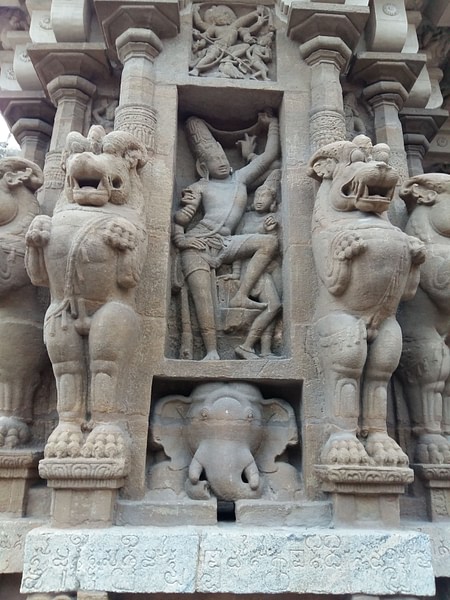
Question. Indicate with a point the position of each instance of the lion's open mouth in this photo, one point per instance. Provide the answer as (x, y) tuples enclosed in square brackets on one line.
[(90, 190), (370, 193)]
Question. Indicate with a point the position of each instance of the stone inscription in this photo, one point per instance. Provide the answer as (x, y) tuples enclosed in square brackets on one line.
[(146, 560)]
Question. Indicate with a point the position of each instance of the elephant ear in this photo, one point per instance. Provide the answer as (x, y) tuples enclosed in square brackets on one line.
[(167, 428), (280, 431)]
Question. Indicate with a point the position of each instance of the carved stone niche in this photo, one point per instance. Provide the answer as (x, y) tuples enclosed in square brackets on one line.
[(226, 270), (232, 42), (90, 254), (366, 266), (223, 443), (22, 352), (425, 363)]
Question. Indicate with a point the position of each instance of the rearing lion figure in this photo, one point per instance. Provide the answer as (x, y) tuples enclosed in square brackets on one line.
[(366, 266), (90, 254), (425, 363)]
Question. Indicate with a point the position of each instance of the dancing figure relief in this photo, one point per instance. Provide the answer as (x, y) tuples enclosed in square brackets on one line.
[(206, 226), (90, 254), (366, 266), (225, 45)]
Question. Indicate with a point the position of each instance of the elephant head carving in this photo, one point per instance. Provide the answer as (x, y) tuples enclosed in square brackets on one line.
[(225, 438)]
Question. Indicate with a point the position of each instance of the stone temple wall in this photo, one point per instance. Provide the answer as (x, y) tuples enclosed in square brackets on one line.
[(225, 300)]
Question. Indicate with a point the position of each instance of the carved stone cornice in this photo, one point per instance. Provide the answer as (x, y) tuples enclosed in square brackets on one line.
[(116, 16), (308, 20), (85, 60)]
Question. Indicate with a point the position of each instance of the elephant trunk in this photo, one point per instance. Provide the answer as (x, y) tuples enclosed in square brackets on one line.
[(229, 468)]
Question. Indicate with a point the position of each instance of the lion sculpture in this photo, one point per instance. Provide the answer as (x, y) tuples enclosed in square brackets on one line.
[(22, 351), (90, 254), (425, 320), (366, 266)]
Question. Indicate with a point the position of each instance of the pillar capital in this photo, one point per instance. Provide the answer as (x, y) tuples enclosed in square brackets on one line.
[(73, 86), (307, 21), (138, 42), (327, 49), (162, 17)]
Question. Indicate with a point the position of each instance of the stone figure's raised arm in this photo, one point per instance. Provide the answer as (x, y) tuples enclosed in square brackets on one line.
[(261, 163), (198, 21)]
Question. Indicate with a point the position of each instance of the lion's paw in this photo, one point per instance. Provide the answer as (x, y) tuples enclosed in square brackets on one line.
[(433, 449), (344, 449), (38, 235), (105, 441), (385, 451), (13, 432), (64, 442)]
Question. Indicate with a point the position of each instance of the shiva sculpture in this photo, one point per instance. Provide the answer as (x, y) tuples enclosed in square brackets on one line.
[(22, 351), (205, 225), (90, 254), (366, 266), (223, 440), (425, 320)]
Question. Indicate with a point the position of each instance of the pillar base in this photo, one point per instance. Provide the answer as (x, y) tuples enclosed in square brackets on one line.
[(365, 496), (436, 480), (18, 469)]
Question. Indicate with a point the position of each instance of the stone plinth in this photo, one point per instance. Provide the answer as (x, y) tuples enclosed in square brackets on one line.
[(436, 480), (227, 560), (17, 469), (84, 490), (364, 496)]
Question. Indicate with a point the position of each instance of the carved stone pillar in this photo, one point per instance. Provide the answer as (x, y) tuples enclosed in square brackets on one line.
[(33, 136), (137, 50), (71, 95), (327, 38)]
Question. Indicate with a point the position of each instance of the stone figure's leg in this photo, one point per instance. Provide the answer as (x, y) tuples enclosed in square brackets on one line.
[(261, 249), (383, 356), (66, 349), (425, 368), (343, 351), (112, 339), (200, 287), (269, 295)]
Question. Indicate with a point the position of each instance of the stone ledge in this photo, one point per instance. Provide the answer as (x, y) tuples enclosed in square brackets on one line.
[(228, 559)]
